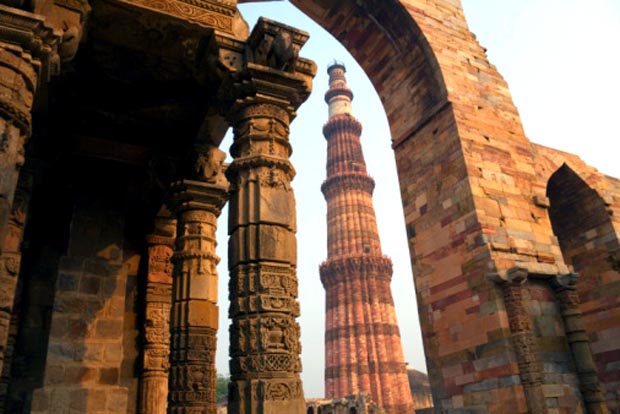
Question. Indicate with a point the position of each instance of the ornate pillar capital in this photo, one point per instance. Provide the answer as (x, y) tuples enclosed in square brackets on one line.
[(566, 281), (513, 276), (266, 69), (221, 15), (517, 275), (28, 52), (33, 38), (207, 189)]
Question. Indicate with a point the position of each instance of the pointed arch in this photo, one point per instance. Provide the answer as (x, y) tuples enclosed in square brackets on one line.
[(390, 46), (581, 222)]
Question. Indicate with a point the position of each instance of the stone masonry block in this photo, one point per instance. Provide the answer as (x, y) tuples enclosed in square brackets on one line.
[(109, 328), (108, 376), (202, 313)]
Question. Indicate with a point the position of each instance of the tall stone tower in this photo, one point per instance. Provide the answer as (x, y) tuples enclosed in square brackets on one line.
[(362, 340)]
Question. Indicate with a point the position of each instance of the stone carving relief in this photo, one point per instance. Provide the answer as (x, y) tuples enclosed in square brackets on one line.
[(160, 265), (202, 12), (281, 391), (69, 16), (156, 324), (277, 50), (209, 165), (264, 127), (274, 178), (156, 327), (269, 334), (20, 79), (156, 359)]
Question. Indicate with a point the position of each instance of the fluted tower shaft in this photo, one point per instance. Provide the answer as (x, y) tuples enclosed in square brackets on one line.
[(362, 340)]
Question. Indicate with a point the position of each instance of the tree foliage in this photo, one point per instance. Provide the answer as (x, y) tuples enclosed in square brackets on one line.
[(221, 386)]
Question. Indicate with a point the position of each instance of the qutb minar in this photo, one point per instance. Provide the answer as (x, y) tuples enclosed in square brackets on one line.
[(363, 350)]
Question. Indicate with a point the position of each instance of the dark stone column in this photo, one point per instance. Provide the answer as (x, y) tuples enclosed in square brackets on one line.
[(579, 342), (10, 262), (154, 376), (194, 315), (27, 58)]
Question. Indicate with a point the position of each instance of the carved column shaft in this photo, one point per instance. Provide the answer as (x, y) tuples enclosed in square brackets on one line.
[(579, 343), (28, 57), (194, 314), (264, 336), (524, 341), (154, 377), (260, 97), (27, 53), (10, 262), (18, 80)]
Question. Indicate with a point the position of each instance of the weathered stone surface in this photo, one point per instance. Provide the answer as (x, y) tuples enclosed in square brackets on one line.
[(86, 320), (152, 79), (11, 259)]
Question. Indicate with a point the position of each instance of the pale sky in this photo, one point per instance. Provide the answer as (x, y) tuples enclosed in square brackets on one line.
[(561, 59)]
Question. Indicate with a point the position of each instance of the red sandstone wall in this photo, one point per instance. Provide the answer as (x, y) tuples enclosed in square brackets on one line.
[(590, 223)]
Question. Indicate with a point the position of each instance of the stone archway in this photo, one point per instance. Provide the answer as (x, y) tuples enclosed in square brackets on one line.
[(468, 182), (454, 148)]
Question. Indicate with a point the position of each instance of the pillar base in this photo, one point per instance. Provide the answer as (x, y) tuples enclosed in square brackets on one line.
[(271, 396)]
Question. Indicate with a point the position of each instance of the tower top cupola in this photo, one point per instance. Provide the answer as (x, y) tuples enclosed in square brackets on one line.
[(338, 97)]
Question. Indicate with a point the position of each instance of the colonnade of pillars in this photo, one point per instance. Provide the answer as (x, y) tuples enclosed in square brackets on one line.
[(181, 312), (265, 348)]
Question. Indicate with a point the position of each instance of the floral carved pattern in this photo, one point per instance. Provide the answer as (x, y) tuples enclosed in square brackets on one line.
[(197, 12)]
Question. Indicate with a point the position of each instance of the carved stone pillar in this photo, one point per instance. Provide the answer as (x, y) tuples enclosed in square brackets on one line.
[(579, 342), (154, 377), (194, 315), (264, 343), (264, 335), (9, 270), (523, 339), (27, 57)]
